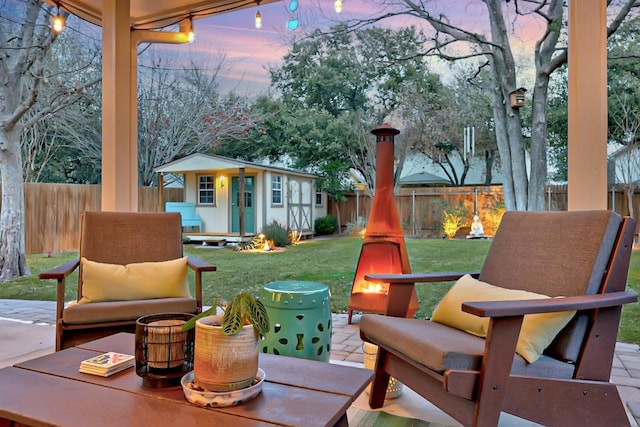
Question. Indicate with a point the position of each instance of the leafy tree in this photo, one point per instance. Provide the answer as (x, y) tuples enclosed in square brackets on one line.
[(557, 125), (333, 90)]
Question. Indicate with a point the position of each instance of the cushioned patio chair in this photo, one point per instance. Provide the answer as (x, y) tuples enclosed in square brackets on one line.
[(474, 359), (130, 264)]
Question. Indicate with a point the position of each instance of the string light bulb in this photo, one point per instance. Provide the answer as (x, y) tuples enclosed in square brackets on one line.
[(191, 35), (337, 5), (258, 17), (258, 20), (57, 23)]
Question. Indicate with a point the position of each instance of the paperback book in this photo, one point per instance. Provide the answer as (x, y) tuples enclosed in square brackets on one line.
[(107, 364)]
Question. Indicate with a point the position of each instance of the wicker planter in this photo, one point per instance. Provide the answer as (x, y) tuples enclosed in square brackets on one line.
[(224, 362)]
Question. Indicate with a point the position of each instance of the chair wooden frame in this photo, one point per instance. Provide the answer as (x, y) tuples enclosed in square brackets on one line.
[(477, 397), (69, 334)]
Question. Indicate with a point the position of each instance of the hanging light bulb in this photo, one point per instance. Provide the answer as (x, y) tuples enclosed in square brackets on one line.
[(57, 23), (258, 20), (337, 5), (191, 35), (258, 17)]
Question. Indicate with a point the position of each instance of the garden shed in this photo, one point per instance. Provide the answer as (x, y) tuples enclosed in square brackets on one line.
[(239, 198)]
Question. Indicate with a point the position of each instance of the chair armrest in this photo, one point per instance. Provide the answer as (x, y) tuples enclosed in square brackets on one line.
[(399, 294), (61, 271), (411, 278), (198, 267), (522, 307)]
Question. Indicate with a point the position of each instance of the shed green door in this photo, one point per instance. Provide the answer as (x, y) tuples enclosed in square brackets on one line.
[(249, 202)]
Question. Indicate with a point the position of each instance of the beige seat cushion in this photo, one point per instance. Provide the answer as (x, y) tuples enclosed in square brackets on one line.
[(125, 310), (440, 347)]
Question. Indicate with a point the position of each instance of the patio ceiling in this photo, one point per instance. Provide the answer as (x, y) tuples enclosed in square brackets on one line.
[(151, 14)]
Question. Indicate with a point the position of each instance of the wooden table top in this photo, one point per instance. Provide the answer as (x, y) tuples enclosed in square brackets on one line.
[(49, 390)]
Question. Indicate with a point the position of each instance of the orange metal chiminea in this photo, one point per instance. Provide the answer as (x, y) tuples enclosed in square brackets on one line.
[(383, 250)]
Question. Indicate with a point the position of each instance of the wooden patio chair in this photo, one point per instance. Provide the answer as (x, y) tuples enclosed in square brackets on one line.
[(472, 360), (130, 265)]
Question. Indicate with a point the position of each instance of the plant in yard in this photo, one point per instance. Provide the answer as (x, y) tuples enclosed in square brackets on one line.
[(357, 228), (276, 234), (325, 225), (453, 219), (492, 217)]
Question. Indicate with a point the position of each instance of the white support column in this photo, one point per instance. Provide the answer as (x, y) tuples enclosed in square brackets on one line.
[(587, 145), (119, 149)]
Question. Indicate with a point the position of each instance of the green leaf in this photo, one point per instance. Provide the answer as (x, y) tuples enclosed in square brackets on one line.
[(191, 323), (257, 314), (232, 319)]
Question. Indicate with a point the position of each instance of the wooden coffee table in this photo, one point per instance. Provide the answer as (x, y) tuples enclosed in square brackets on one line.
[(49, 390)]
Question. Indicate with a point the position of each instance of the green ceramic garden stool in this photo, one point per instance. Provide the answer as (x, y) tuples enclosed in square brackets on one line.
[(300, 318)]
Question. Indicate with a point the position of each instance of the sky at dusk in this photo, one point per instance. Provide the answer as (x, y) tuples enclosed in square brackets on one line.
[(249, 52)]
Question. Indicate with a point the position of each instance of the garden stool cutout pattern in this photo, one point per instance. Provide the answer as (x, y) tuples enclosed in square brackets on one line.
[(300, 318)]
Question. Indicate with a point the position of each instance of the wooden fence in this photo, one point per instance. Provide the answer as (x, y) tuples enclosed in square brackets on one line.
[(52, 211), (420, 208)]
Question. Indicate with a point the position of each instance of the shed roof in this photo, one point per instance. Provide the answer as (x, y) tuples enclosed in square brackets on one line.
[(199, 162)]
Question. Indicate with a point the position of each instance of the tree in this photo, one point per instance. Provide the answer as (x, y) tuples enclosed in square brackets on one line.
[(460, 39), (624, 107), (336, 88), (25, 43), (66, 146)]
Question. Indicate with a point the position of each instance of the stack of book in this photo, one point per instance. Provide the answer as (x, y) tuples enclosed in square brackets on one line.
[(107, 364)]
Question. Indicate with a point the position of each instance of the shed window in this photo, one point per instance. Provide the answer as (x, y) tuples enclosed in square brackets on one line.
[(276, 189), (206, 189), (319, 198)]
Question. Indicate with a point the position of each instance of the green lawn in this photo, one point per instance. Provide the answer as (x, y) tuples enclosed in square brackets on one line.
[(330, 261)]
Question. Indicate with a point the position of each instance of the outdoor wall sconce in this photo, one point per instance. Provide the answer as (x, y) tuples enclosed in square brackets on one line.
[(517, 97), (223, 181)]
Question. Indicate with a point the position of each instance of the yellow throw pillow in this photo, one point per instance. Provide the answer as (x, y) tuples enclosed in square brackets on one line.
[(146, 280), (538, 330)]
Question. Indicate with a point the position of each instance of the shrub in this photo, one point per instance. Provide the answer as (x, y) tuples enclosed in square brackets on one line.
[(325, 225), (357, 228), (277, 234), (492, 218), (453, 219)]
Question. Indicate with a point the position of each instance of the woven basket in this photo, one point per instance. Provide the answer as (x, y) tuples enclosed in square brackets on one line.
[(224, 362)]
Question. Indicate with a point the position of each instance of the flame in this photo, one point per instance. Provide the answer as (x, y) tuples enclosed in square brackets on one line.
[(372, 288)]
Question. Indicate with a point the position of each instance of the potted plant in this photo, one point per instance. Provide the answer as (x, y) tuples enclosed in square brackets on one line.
[(227, 345)]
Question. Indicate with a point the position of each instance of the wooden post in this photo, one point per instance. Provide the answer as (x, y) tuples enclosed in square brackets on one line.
[(160, 192), (241, 201)]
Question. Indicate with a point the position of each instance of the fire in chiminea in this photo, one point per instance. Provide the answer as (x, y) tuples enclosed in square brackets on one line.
[(383, 250)]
